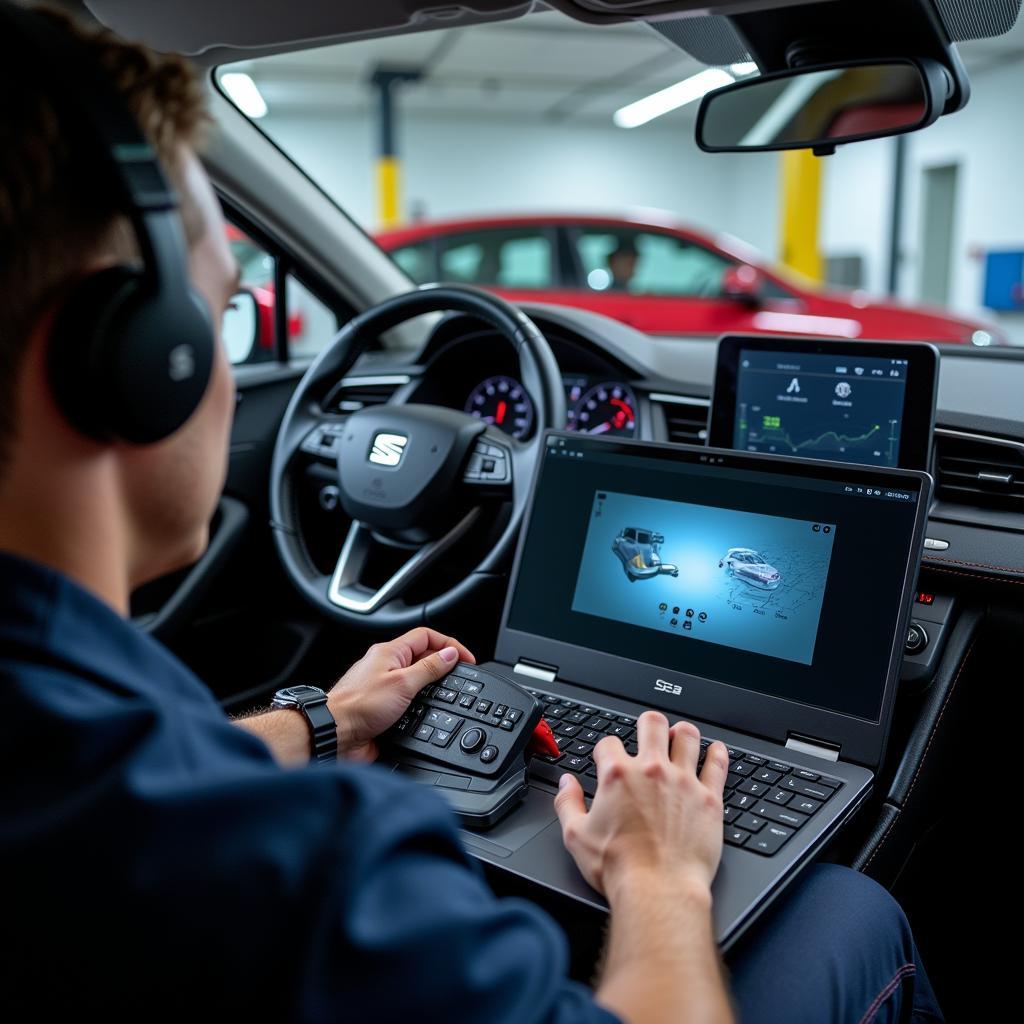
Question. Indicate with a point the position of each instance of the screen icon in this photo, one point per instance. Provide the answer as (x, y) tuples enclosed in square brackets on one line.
[(794, 387)]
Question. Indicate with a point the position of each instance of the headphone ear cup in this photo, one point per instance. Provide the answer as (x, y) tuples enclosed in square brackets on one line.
[(126, 364)]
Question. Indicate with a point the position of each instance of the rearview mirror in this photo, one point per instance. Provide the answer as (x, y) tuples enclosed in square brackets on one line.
[(820, 108)]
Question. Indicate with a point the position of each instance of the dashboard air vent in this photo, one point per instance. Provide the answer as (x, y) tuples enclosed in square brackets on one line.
[(355, 393), (971, 469), (686, 419)]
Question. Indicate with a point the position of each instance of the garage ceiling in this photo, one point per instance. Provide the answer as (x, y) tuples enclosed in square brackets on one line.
[(543, 65)]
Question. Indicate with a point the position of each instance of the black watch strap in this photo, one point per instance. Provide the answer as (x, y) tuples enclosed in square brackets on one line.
[(324, 733)]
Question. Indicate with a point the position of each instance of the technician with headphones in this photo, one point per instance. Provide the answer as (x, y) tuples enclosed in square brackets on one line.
[(158, 861)]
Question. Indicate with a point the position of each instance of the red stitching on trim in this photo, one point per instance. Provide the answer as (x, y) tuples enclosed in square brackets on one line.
[(887, 991), (924, 756), (973, 575), (1016, 569)]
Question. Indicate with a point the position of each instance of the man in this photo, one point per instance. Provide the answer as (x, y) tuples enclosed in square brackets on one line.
[(162, 862), (622, 261)]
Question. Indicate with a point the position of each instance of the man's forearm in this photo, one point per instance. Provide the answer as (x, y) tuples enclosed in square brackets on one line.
[(284, 730), (662, 965)]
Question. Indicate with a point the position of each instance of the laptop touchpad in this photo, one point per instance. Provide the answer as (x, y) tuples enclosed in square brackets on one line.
[(532, 816)]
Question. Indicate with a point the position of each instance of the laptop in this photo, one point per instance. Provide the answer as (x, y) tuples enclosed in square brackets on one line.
[(765, 599)]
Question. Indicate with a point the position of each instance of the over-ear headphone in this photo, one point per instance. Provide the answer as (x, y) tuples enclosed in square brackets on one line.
[(131, 349)]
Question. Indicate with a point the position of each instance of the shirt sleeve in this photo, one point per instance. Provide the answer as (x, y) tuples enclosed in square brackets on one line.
[(412, 931)]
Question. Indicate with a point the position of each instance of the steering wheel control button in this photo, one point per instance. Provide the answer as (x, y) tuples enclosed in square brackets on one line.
[(917, 639), (933, 544), (488, 754), (488, 464), (472, 739), (323, 440)]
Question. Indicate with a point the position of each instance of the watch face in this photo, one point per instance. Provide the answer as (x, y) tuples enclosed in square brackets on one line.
[(299, 695)]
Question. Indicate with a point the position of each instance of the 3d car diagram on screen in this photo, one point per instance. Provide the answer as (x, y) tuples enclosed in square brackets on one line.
[(751, 567), (724, 576), (640, 553)]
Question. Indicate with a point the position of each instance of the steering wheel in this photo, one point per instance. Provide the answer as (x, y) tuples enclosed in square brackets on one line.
[(409, 476)]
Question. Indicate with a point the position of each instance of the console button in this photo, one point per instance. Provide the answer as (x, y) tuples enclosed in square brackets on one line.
[(442, 737), (441, 719), (424, 732), (472, 739), (488, 754), (917, 639)]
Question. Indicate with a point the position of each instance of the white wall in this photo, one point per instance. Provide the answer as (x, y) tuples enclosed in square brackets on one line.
[(453, 167)]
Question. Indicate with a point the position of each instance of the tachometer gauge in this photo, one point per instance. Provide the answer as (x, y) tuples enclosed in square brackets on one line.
[(606, 409), (502, 402)]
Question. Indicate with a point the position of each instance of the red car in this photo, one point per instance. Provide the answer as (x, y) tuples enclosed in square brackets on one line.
[(656, 275)]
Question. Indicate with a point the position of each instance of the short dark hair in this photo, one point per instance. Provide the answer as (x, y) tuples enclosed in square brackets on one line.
[(52, 225)]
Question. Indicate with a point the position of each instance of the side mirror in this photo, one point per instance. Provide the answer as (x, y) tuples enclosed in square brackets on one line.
[(820, 108), (240, 327), (743, 283)]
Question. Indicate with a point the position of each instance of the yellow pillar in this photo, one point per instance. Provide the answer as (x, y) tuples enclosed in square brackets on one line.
[(389, 179), (801, 205)]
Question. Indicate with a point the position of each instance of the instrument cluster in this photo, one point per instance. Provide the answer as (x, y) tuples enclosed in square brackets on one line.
[(595, 406)]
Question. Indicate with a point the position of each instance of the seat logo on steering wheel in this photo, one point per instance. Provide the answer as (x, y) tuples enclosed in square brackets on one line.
[(388, 449)]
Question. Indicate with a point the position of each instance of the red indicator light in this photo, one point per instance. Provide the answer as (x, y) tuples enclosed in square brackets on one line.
[(924, 598)]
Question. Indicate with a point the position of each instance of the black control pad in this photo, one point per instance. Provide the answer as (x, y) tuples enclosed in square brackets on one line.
[(474, 722)]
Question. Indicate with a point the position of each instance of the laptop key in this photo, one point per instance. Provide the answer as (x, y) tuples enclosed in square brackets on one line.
[(752, 787), (626, 720), (803, 773), (547, 772), (576, 717), (588, 735), (581, 749), (756, 759), (624, 732), (565, 729), (554, 711), (597, 722), (769, 840), (744, 801), (804, 804), (832, 784), (780, 815), (811, 789), (569, 704), (751, 822), (735, 836), (732, 779), (631, 747), (591, 771), (778, 766), (589, 785), (766, 775), (730, 814), (741, 768), (576, 763), (779, 796)]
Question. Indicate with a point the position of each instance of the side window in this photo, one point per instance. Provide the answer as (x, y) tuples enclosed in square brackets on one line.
[(647, 263), (417, 261), (310, 322), (507, 257)]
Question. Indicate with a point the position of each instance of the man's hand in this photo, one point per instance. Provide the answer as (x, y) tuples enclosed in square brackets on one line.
[(652, 816), (372, 695), (651, 842)]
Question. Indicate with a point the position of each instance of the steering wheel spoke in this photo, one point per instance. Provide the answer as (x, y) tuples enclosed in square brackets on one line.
[(346, 590)]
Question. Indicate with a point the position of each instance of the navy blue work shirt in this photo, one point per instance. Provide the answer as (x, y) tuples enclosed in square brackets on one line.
[(157, 862)]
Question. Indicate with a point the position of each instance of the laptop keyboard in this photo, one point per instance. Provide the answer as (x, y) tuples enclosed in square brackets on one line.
[(766, 801)]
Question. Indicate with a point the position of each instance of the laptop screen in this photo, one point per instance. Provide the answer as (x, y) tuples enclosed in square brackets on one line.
[(773, 575)]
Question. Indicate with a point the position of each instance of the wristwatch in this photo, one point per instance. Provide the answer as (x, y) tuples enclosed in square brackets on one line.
[(312, 702)]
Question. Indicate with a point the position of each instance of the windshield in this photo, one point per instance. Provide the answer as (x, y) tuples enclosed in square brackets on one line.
[(554, 161)]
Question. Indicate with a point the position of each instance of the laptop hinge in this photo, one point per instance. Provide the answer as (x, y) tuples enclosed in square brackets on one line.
[(809, 745), (536, 670)]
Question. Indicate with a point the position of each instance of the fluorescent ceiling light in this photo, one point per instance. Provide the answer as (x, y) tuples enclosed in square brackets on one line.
[(244, 94), (689, 89)]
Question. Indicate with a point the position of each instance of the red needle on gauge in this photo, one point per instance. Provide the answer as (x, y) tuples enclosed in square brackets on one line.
[(499, 416)]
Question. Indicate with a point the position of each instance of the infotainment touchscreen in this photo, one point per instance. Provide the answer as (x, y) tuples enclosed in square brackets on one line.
[(865, 402)]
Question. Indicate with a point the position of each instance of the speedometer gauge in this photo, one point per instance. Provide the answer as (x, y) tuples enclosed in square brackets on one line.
[(502, 402), (606, 409)]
